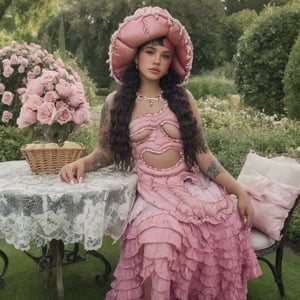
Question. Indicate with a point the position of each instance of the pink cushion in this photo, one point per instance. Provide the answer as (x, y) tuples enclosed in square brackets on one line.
[(271, 200)]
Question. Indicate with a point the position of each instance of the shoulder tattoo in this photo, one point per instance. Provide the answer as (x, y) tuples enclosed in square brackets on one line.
[(202, 138)]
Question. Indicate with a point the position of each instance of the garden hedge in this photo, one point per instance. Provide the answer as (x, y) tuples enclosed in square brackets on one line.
[(291, 82), (262, 55)]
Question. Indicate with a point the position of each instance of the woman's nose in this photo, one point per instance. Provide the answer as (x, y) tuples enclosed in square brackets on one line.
[(157, 59)]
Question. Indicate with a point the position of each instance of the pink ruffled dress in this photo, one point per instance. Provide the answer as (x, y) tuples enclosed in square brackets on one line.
[(184, 231)]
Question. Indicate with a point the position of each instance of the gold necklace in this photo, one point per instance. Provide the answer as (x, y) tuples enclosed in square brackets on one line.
[(150, 100)]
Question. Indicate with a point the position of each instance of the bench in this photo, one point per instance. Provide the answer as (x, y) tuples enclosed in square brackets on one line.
[(274, 185)]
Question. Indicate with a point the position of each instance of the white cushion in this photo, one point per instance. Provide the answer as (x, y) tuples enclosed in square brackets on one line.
[(283, 169), (274, 185), (260, 240)]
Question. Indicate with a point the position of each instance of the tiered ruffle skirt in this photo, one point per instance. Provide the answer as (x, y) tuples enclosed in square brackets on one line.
[(186, 258)]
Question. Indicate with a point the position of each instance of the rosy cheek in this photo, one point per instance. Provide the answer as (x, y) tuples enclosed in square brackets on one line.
[(143, 59)]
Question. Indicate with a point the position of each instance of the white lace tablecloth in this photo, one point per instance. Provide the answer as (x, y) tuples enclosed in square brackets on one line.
[(35, 209)]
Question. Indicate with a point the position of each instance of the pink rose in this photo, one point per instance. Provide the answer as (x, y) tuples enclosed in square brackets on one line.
[(35, 86), (21, 69), (2, 88), (64, 89), (46, 113), (49, 86), (30, 76), (7, 98), (27, 117), (32, 101), (36, 70), (5, 62), (59, 63), (81, 115), (48, 58), (23, 61), (8, 71), (78, 96), (35, 58), (6, 116), (59, 104), (14, 59), (50, 96), (21, 91), (48, 76), (64, 115)]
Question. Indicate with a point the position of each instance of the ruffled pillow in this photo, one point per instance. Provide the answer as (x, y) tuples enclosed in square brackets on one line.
[(271, 200), (274, 185)]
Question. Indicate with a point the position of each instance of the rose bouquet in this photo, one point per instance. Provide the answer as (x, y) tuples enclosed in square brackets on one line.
[(18, 64), (39, 92), (54, 103)]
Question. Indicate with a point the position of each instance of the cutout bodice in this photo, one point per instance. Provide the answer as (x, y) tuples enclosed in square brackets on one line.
[(156, 140)]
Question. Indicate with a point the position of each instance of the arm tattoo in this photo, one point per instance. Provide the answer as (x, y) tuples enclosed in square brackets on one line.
[(104, 140), (214, 169), (104, 123), (104, 113)]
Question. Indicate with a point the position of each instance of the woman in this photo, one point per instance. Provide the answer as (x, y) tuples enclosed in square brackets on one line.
[(184, 239)]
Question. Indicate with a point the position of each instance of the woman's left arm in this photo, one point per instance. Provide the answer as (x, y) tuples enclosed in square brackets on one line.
[(209, 164)]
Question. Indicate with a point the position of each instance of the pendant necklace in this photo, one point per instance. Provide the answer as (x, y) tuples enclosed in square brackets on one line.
[(150, 100)]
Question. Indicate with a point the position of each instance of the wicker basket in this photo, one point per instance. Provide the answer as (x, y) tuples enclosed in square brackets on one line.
[(50, 158)]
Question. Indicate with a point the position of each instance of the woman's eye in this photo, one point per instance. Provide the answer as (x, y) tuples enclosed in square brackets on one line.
[(166, 56)]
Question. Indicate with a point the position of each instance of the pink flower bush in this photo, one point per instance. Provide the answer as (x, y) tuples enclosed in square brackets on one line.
[(56, 96), (47, 97), (18, 64)]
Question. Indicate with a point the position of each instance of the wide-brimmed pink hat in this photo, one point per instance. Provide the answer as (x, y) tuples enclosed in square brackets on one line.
[(144, 25)]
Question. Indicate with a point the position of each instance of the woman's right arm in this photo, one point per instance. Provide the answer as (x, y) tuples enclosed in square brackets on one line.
[(101, 155)]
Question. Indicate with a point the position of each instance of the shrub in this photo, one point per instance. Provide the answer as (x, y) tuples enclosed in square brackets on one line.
[(11, 140), (262, 55), (202, 86), (234, 27), (232, 130), (291, 83)]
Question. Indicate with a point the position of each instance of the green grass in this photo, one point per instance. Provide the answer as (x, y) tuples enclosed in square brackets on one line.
[(23, 281)]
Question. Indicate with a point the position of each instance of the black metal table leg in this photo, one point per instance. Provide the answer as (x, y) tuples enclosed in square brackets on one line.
[(102, 278), (55, 255), (5, 260)]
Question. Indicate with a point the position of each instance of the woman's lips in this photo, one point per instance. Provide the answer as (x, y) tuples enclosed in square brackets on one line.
[(154, 71)]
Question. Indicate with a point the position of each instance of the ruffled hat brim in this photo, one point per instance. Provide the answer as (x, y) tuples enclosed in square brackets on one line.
[(144, 25)]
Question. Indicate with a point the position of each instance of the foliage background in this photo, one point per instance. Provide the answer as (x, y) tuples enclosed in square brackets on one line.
[(81, 30)]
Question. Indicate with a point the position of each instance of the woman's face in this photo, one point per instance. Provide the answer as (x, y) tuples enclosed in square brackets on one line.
[(153, 61)]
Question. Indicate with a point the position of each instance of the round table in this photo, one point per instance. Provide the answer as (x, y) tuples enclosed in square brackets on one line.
[(37, 209)]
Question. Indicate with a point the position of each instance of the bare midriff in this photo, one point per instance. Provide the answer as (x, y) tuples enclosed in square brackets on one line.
[(164, 160)]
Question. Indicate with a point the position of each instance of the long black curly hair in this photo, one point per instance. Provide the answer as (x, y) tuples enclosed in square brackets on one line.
[(178, 102)]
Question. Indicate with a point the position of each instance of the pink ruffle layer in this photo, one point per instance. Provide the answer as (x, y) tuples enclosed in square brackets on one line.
[(183, 233), (185, 261)]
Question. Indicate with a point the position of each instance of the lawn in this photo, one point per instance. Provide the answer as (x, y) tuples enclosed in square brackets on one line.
[(23, 281)]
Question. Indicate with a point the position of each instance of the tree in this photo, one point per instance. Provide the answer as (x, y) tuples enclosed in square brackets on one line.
[(22, 18), (233, 6), (89, 25), (3, 7)]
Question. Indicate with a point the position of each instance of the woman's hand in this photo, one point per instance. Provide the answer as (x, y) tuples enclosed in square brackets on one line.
[(246, 210), (73, 172)]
